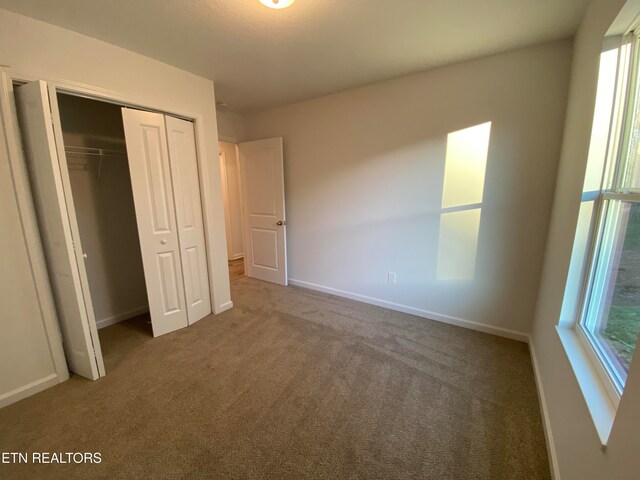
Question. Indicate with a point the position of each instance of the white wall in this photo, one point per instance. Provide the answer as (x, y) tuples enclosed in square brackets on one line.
[(577, 445), (231, 126), (231, 193), (105, 210), (364, 183), (50, 52)]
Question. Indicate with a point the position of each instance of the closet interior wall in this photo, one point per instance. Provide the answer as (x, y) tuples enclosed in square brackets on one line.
[(103, 199)]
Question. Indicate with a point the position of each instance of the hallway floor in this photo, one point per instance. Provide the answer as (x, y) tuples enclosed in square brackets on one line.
[(236, 269)]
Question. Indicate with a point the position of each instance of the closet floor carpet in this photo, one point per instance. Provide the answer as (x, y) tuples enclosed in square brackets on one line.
[(295, 384)]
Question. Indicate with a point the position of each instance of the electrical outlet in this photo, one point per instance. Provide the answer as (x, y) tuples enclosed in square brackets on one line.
[(391, 278)]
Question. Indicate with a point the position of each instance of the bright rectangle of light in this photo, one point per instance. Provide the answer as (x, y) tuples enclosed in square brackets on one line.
[(458, 244), (465, 165)]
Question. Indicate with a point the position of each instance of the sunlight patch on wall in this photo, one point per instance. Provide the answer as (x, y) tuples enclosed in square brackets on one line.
[(458, 244), (465, 166), (463, 192)]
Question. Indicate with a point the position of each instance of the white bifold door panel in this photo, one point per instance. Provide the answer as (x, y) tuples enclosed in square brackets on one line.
[(186, 190), (262, 174), (150, 170), (53, 202)]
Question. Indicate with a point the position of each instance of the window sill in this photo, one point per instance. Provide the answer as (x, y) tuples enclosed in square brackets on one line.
[(599, 403)]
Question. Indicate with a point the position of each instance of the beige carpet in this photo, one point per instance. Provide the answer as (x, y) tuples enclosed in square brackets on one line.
[(292, 384)]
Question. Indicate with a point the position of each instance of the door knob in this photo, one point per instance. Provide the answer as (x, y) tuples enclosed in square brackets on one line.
[(280, 223), (163, 241)]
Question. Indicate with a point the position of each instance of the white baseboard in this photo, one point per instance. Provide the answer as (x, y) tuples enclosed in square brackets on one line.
[(460, 322), (224, 307), (28, 390), (546, 421), (105, 322), (237, 256)]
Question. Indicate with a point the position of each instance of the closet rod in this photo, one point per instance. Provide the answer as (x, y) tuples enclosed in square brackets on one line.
[(101, 153), (120, 155)]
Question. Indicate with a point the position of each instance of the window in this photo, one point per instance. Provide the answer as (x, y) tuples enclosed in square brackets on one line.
[(610, 317)]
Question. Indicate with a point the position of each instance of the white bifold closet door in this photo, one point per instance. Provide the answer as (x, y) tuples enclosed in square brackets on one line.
[(172, 244), (186, 191), (51, 190)]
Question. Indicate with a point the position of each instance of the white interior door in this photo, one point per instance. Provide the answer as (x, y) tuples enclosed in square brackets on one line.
[(52, 202), (262, 179), (146, 138), (186, 190)]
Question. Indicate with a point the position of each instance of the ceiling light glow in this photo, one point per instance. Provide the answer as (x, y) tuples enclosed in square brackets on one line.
[(278, 4)]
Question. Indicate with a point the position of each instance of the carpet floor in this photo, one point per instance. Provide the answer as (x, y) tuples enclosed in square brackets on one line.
[(295, 384)]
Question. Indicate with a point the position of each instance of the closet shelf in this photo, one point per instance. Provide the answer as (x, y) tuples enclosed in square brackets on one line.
[(101, 153), (98, 152)]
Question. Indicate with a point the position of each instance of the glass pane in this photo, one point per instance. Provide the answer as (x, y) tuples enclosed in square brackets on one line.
[(601, 121), (614, 317), (579, 258), (630, 161)]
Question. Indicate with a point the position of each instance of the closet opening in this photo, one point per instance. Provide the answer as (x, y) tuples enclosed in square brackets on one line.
[(117, 196), (97, 162)]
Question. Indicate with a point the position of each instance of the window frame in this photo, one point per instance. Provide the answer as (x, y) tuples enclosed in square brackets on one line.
[(604, 231)]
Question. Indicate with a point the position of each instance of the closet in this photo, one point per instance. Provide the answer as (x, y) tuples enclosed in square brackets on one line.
[(95, 148), (117, 196)]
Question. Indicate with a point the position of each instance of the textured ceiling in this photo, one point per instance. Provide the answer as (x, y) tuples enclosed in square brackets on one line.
[(259, 57)]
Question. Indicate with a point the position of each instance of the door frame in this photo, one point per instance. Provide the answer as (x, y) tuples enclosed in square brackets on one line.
[(24, 198), (235, 141), (225, 193)]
